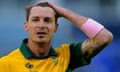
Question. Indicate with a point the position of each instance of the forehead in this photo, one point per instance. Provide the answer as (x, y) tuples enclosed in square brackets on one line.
[(42, 11)]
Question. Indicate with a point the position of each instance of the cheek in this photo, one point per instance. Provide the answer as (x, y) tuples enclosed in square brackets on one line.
[(30, 29), (53, 28)]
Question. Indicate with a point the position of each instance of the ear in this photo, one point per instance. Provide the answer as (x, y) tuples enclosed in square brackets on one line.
[(26, 26), (56, 27)]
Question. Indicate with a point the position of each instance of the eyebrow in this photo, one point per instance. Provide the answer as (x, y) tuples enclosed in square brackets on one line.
[(35, 17), (48, 17), (39, 17)]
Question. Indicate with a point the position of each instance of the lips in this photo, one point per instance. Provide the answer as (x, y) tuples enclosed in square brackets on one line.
[(41, 34)]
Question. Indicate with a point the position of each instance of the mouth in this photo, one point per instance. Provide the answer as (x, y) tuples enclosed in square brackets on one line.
[(41, 34)]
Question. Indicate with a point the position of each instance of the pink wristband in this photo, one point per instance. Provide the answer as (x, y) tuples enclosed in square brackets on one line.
[(91, 28)]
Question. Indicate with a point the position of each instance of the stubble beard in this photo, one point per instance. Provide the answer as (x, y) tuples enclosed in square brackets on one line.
[(43, 43)]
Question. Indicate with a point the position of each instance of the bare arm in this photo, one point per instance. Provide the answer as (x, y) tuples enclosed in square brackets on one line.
[(91, 46)]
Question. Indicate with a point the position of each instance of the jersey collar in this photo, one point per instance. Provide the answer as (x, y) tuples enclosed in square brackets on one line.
[(28, 54)]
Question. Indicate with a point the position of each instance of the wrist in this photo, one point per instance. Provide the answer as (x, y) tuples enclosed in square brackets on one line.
[(91, 28)]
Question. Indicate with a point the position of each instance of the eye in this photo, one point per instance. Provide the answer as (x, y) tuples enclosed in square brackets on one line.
[(47, 19), (35, 19)]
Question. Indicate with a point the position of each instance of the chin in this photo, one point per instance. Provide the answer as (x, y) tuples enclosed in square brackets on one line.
[(41, 41)]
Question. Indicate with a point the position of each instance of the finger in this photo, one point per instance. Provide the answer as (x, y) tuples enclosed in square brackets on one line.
[(42, 1), (51, 4)]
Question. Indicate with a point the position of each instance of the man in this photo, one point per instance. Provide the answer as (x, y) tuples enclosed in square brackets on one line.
[(36, 53)]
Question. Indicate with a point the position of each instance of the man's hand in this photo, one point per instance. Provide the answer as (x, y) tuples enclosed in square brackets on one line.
[(60, 10), (75, 18)]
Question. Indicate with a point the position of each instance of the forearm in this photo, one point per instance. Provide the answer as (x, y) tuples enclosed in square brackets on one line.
[(91, 47), (95, 43), (75, 18)]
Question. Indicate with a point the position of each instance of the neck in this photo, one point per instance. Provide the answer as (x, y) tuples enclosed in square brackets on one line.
[(39, 49)]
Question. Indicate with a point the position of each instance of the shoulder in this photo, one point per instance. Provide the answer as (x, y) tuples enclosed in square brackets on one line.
[(7, 60), (10, 56), (63, 47), (63, 51)]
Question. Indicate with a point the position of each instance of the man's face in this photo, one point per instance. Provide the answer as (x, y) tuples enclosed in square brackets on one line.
[(41, 24)]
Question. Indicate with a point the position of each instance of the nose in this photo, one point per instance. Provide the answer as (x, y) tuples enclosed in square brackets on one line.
[(41, 24)]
